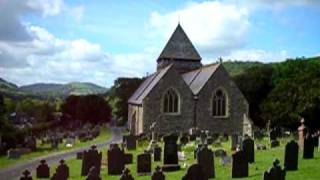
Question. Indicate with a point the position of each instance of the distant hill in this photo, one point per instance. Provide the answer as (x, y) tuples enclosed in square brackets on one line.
[(49, 90), (237, 67)]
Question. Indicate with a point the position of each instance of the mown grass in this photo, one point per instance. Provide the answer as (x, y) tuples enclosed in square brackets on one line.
[(308, 169), (45, 150)]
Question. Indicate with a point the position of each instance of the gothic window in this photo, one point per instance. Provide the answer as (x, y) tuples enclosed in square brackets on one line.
[(219, 103), (171, 102)]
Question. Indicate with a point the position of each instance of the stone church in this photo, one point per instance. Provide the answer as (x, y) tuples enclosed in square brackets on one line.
[(183, 94)]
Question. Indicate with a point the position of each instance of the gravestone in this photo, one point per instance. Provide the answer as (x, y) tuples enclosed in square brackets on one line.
[(195, 172), (144, 164), (275, 172), (91, 158), (248, 149), (170, 158), (25, 175), (239, 165), (308, 147), (43, 170), (128, 158), (273, 135), (131, 142), (116, 159), (203, 137), (205, 159), (157, 153), (93, 174), (62, 172), (291, 156), (302, 130), (209, 140), (234, 142), (13, 154), (158, 174), (79, 155), (126, 175)]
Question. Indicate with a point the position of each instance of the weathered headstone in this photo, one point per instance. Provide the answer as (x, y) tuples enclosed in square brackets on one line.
[(13, 153), (302, 130), (116, 159), (205, 159), (91, 158), (275, 172), (62, 172), (157, 153), (195, 172), (144, 164), (273, 135), (308, 147), (239, 165), (128, 158), (248, 149), (93, 174), (43, 170), (291, 156), (131, 142), (126, 175), (26, 175), (158, 174), (170, 159)]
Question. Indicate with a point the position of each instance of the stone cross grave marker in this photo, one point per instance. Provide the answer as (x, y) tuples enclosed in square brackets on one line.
[(144, 164), (26, 175), (62, 172), (195, 172), (116, 159), (43, 170), (291, 156), (275, 172), (170, 159), (91, 158), (239, 165), (205, 159), (158, 174), (248, 149)]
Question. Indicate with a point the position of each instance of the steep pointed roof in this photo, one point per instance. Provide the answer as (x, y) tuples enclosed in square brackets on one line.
[(179, 47)]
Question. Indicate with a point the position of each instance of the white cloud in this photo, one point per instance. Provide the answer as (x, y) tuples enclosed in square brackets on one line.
[(213, 26), (47, 7), (257, 55)]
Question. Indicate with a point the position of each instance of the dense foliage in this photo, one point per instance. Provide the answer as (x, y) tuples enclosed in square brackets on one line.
[(85, 109), (118, 96)]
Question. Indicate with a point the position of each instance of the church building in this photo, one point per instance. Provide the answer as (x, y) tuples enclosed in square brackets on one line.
[(183, 94)]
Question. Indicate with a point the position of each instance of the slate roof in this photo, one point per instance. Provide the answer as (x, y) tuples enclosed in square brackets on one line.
[(147, 85), (179, 47), (196, 79)]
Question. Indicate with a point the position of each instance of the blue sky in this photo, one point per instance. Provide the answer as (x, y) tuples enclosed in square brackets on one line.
[(60, 41)]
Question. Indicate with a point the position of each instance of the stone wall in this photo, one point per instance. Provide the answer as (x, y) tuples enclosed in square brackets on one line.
[(153, 110), (237, 105)]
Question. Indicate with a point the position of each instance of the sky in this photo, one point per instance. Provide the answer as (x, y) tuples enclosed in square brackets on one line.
[(61, 41)]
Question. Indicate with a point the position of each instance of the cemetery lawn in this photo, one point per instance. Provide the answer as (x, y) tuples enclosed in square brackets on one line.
[(45, 150), (307, 169)]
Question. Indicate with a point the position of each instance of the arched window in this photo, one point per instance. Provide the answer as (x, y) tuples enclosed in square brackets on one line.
[(219, 103), (171, 102)]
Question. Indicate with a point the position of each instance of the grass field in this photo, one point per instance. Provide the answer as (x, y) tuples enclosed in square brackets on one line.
[(308, 169), (45, 150)]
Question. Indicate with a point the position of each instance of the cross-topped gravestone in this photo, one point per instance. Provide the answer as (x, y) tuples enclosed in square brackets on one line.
[(126, 175), (308, 147), (158, 174), (275, 172), (291, 156), (116, 159), (93, 174), (170, 159), (144, 164), (43, 170), (248, 149), (91, 158), (205, 159), (62, 172), (239, 165), (195, 172), (26, 175)]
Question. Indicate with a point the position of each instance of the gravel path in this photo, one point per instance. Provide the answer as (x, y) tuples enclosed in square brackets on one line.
[(14, 172)]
